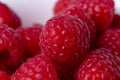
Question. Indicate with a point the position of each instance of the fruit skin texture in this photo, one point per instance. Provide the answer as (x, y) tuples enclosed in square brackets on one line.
[(116, 21), (77, 12), (61, 5), (8, 17), (10, 49), (65, 40), (110, 39), (29, 37), (101, 64), (4, 76), (36, 68), (101, 11)]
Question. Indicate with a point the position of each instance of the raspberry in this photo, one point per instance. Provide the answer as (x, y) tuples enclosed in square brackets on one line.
[(110, 39), (36, 68), (101, 64), (65, 40), (101, 11), (79, 13), (10, 49), (30, 39), (61, 5), (8, 17)]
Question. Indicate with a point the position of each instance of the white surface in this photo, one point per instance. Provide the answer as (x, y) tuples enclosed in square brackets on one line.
[(37, 11), (117, 6)]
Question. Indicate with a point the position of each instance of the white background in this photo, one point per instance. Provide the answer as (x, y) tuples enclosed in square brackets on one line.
[(37, 11)]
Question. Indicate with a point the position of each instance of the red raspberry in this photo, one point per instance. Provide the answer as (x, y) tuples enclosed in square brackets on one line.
[(61, 5), (116, 21), (101, 11), (30, 39), (8, 17), (37, 68), (65, 40), (4, 76), (101, 64), (10, 49), (110, 39), (79, 13)]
